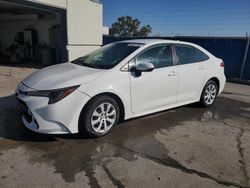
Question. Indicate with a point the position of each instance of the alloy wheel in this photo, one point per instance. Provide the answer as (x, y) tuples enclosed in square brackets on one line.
[(210, 94), (103, 117)]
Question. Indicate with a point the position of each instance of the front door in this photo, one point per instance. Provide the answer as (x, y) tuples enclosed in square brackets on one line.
[(152, 91)]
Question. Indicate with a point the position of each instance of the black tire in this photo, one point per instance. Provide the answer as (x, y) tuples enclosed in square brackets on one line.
[(85, 127), (203, 101)]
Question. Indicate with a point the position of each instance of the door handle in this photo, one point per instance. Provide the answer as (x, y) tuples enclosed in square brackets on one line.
[(172, 73), (201, 68)]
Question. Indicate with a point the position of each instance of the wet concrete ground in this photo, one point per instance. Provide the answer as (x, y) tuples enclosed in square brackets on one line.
[(183, 147)]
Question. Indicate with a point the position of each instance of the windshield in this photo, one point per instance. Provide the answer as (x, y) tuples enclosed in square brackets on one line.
[(107, 56)]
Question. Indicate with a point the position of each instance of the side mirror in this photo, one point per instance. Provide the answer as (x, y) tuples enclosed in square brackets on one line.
[(145, 67)]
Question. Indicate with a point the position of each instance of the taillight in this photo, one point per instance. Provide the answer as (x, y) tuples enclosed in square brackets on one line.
[(222, 64)]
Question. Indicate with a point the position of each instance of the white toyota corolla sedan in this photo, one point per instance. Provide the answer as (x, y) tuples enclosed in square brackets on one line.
[(119, 81)]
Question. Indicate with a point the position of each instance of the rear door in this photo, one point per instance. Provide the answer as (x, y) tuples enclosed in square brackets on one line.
[(192, 68)]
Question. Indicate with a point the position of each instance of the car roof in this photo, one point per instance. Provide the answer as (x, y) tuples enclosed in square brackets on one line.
[(146, 41), (155, 41)]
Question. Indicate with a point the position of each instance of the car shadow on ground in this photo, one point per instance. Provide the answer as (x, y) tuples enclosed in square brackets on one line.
[(11, 126)]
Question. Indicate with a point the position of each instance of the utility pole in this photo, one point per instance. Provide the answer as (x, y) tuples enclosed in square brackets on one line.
[(245, 56)]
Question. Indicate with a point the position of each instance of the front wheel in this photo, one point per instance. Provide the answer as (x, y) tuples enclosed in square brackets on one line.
[(209, 93), (100, 117)]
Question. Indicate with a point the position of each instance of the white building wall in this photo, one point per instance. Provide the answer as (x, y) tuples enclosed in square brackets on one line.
[(78, 51), (84, 27), (105, 30)]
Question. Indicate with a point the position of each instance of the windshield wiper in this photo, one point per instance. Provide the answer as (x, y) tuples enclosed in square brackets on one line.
[(79, 62), (82, 63), (87, 65)]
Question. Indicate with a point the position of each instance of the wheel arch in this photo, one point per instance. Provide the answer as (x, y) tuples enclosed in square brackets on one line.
[(114, 96), (217, 81)]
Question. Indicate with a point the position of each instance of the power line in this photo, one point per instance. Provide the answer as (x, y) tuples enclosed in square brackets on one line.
[(181, 10), (188, 15), (200, 24), (209, 30), (194, 19), (199, 34)]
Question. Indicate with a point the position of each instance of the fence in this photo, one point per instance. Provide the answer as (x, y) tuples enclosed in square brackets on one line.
[(230, 49)]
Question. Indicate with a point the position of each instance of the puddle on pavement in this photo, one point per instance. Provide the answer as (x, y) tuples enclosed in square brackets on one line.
[(71, 154)]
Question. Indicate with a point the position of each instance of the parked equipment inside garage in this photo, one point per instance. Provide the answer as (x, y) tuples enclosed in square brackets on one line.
[(31, 34)]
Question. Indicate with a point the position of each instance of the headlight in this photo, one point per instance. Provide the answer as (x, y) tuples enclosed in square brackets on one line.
[(53, 95)]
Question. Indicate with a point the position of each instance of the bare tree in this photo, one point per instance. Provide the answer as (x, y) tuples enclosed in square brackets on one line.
[(126, 26)]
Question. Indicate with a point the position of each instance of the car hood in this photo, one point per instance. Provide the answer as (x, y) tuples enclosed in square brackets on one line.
[(61, 76)]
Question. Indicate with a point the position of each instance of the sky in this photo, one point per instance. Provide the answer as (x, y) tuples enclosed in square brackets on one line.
[(184, 17)]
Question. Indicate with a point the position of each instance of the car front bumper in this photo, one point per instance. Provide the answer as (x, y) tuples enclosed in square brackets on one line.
[(59, 118)]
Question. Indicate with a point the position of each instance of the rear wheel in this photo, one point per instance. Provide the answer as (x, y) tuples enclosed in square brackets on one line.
[(209, 93), (100, 117)]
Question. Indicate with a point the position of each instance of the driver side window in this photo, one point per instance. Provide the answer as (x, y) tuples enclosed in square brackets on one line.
[(159, 56)]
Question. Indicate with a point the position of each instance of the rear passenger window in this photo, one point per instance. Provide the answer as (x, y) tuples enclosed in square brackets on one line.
[(188, 54)]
